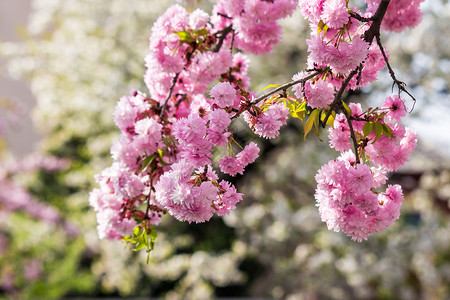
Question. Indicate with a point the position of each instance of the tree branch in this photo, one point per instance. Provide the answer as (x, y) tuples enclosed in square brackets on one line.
[(374, 28), (174, 81), (400, 84), (337, 98), (285, 86), (359, 17), (222, 34), (352, 135)]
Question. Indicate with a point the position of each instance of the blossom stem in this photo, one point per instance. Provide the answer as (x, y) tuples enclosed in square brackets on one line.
[(352, 135), (222, 35), (337, 98), (174, 81), (148, 200)]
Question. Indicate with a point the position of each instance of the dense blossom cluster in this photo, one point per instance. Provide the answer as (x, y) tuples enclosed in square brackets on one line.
[(400, 15), (346, 200), (164, 156), (346, 193), (163, 161)]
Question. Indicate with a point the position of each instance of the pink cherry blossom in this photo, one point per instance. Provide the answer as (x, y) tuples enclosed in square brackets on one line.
[(335, 13), (320, 94), (397, 109), (231, 165), (224, 94)]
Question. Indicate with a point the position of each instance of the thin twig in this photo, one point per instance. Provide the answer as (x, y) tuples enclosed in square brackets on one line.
[(148, 200), (337, 98), (400, 84), (174, 81), (360, 18), (222, 34), (285, 86), (224, 16), (352, 135)]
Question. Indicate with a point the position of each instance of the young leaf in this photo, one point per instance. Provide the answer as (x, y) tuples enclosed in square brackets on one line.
[(322, 27), (317, 123), (202, 31), (147, 162), (185, 36), (300, 115), (290, 105), (301, 107), (331, 118), (310, 122), (349, 111), (367, 128), (378, 129), (387, 131)]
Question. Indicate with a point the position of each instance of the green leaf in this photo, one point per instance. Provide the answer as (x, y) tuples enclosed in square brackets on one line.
[(152, 235), (387, 131), (301, 115), (136, 230), (322, 27), (271, 86), (184, 35), (310, 122), (349, 111), (301, 107), (140, 238), (128, 240), (161, 157), (378, 129), (367, 128), (202, 31), (331, 118), (140, 246), (147, 162)]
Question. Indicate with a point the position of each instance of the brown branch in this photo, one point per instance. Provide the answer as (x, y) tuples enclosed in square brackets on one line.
[(400, 84), (222, 34), (224, 16), (148, 203), (374, 28), (360, 18), (174, 81), (352, 135), (369, 35), (337, 98), (285, 86)]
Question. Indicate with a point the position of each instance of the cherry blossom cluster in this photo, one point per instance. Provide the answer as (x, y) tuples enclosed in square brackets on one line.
[(253, 21), (346, 201), (400, 15), (346, 192), (164, 160), (341, 42)]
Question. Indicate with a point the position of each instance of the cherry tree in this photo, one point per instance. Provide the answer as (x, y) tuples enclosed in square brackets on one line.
[(165, 161)]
